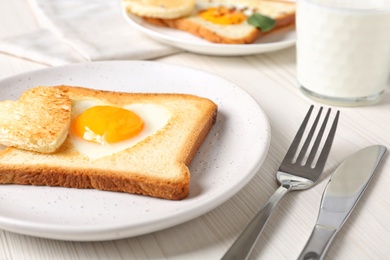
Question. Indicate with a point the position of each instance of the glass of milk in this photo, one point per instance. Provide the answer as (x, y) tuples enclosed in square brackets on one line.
[(343, 50)]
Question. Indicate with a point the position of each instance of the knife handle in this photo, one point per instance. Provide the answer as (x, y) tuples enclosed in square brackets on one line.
[(318, 243)]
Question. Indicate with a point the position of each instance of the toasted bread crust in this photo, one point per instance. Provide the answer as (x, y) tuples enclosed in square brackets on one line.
[(44, 175), (121, 171)]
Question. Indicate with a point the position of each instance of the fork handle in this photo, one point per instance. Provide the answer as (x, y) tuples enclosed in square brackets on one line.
[(246, 241)]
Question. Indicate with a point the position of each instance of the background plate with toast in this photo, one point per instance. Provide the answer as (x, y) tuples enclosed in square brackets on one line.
[(183, 40), (230, 156)]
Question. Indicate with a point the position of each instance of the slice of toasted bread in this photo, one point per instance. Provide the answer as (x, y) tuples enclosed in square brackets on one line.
[(38, 121), (155, 166), (283, 12), (166, 9)]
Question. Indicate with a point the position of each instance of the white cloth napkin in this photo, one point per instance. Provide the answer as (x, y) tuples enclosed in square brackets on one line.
[(82, 30)]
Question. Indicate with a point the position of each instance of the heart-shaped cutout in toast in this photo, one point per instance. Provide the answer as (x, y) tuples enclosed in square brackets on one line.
[(38, 121)]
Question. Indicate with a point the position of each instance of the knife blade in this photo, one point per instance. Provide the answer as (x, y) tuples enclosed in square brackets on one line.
[(341, 195)]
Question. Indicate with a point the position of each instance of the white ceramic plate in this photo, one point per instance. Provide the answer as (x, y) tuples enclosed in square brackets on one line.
[(230, 156), (183, 40)]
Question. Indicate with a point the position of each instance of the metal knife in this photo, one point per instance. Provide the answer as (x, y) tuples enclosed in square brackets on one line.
[(341, 195)]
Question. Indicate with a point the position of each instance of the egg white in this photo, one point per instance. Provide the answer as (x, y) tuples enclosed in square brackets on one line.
[(155, 117)]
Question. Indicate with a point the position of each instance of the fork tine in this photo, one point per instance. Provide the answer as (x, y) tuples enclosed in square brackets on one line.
[(328, 144), (309, 137), (317, 142), (297, 139)]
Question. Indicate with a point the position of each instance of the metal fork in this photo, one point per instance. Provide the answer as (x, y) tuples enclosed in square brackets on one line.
[(293, 174)]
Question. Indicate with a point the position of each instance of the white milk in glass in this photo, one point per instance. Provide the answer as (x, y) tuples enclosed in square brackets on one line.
[(343, 49)]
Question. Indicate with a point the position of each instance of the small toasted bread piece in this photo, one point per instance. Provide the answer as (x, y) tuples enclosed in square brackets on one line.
[(156, 166), (166, 9), (38, 121)]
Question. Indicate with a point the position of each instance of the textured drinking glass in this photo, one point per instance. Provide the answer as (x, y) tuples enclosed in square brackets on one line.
[(343, 50)]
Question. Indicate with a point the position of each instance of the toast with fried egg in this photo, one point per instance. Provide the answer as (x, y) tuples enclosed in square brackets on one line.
[(226, 21), (155, 165)]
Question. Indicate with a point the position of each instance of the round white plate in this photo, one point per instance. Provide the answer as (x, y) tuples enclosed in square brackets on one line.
[(230, 156), (183, 40)]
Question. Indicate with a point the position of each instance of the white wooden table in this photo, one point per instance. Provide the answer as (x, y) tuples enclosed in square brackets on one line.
[(271, 79)]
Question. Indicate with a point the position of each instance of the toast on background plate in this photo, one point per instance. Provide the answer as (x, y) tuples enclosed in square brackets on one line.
[(222, 21), (139, 143), (166, 9)]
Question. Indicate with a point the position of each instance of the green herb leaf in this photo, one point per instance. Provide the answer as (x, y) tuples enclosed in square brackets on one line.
[(264, 23)]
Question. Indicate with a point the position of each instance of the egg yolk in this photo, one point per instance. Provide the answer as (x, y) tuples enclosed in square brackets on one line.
[(223, 15), (107, 124)]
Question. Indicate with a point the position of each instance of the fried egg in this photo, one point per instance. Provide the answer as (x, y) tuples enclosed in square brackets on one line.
[(224, 12), (100, 129), (223, 15)]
